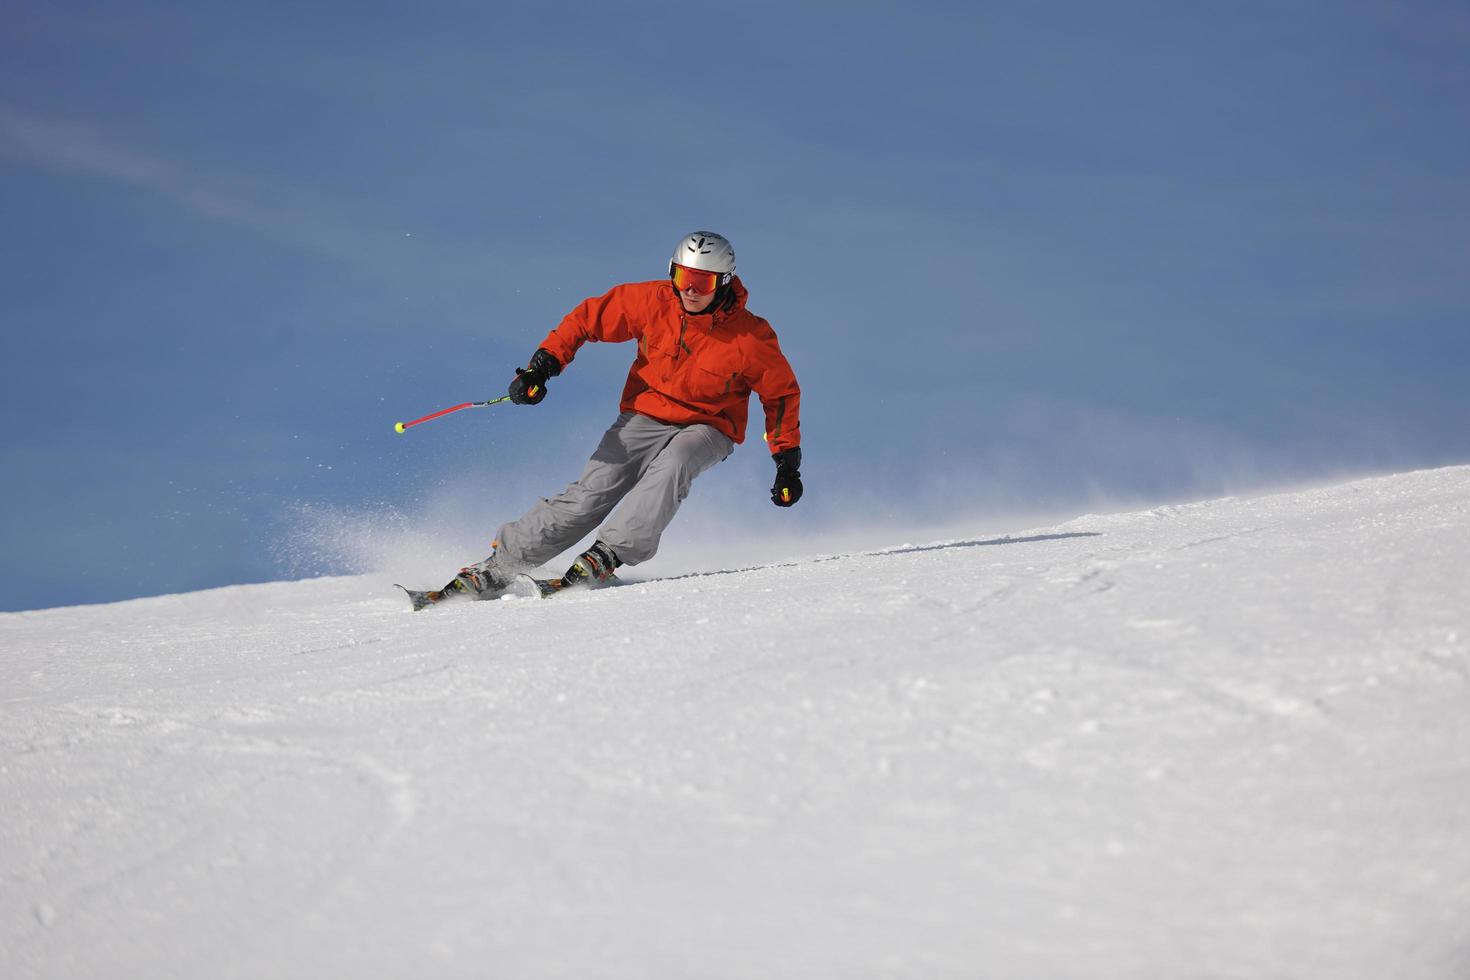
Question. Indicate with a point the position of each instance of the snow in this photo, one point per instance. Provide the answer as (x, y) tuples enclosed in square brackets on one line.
[(1222, 739)]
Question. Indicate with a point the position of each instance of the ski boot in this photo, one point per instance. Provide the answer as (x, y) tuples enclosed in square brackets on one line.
[(481, 580), (593, 568)]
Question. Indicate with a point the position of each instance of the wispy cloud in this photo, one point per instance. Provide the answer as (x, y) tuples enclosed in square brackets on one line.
[(265, 208), (77, 147)]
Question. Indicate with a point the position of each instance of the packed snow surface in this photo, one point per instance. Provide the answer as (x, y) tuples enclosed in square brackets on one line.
[(1224, 739)]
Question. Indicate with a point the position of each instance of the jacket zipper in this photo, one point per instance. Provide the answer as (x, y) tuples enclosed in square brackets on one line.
[(683, 323)]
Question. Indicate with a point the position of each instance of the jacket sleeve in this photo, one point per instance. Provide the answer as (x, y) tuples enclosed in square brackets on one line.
[(609, 317), (774, 383)]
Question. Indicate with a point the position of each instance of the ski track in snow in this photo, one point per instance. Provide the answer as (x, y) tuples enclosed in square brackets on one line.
[(1223, 739)]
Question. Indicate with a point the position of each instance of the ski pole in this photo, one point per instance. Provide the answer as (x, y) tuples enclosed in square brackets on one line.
[(400, 427)]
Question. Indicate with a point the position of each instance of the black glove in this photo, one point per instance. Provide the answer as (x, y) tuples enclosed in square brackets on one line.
[(529, 386), (787, 490)]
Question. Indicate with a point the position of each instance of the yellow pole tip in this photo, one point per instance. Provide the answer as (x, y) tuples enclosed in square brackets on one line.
[(398, 427)]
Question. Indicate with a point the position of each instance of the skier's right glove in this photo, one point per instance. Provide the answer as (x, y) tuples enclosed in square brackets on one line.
[(787, 489), (529, 386)]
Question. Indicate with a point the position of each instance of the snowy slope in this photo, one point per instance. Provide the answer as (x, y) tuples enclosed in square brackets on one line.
[(1227, 739)]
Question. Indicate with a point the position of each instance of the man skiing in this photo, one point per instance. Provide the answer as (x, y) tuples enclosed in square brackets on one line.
[(700, 355)]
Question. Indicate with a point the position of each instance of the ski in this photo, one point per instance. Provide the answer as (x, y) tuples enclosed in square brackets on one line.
[(541, 588), (523, 585), (431, 597), (545, 588)]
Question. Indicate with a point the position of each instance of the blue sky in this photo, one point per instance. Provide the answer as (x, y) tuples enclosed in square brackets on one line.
[(1022, 256)]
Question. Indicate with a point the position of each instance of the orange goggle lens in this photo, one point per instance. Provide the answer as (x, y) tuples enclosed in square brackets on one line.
[(696, 279)]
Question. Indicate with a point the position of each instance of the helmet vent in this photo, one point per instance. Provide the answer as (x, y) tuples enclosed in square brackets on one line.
[(706, 250)]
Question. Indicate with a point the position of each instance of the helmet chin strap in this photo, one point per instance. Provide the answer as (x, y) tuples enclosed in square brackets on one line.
[(724, 298)]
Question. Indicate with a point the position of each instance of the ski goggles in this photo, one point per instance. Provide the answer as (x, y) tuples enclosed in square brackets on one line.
[(698, 280)]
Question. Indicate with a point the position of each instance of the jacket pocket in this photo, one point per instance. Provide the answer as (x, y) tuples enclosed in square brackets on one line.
[(693, 382)]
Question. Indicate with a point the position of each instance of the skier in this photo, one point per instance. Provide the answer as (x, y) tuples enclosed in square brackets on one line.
[(701, 354)]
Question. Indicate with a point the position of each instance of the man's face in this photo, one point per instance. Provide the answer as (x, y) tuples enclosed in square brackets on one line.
[(695, 302), (696, 287)]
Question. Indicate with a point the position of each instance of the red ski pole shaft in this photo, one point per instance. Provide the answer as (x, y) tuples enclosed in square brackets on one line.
[(401, 427)]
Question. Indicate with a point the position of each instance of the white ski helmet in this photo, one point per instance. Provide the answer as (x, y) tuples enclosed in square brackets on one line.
[(706, 251)]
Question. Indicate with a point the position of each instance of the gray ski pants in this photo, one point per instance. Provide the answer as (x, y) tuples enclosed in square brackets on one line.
[(642, 467)]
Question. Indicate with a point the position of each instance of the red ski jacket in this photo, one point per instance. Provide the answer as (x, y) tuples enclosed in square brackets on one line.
[(690, 367)]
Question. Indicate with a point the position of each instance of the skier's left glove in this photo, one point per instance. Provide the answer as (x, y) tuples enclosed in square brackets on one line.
[(529, 386), (787, 489)]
